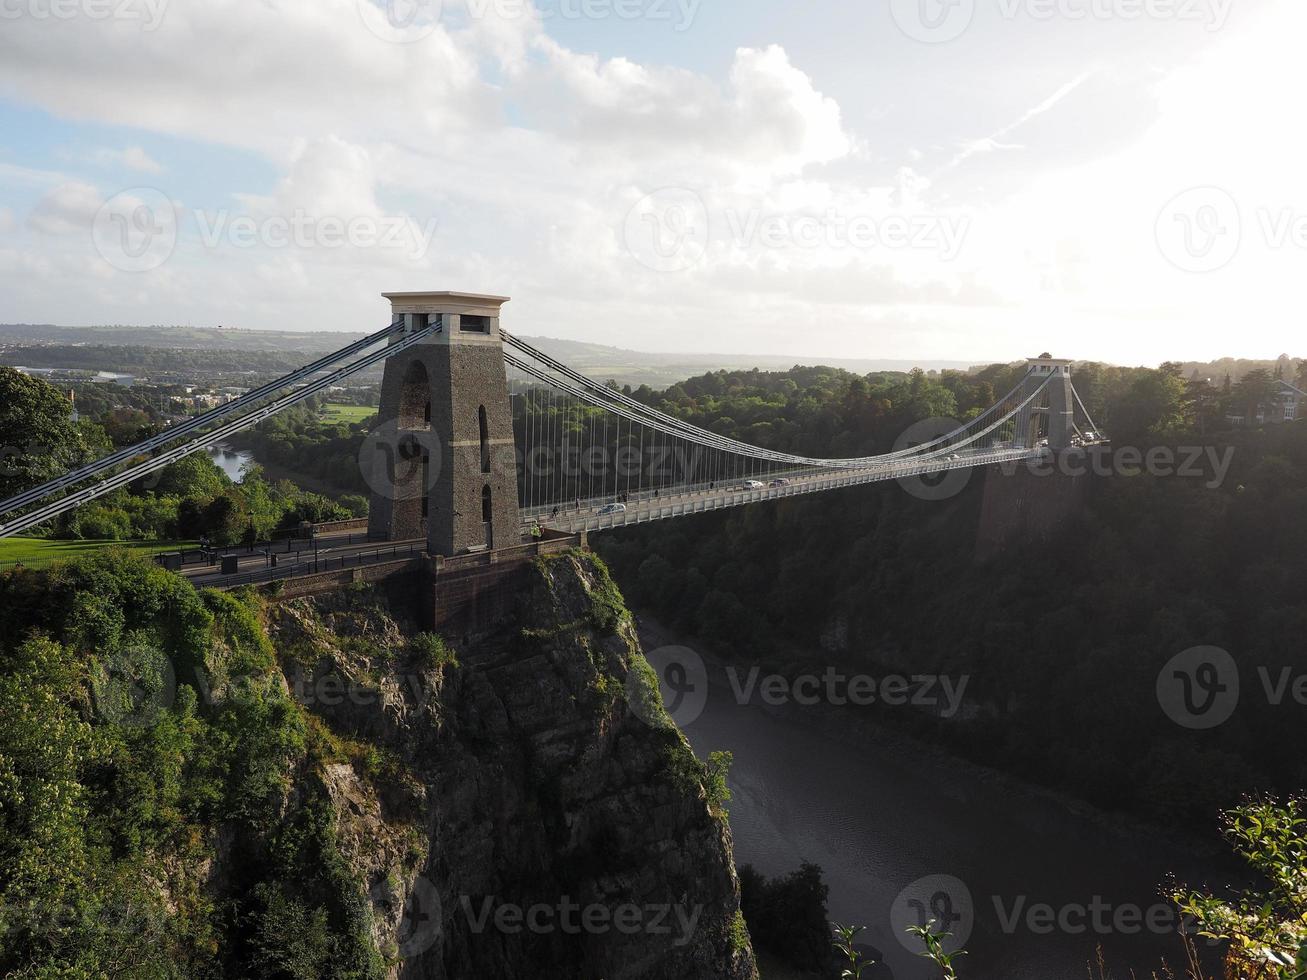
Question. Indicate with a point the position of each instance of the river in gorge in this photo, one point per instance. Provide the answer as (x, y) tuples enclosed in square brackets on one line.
[(231, 461), (1035, 881)]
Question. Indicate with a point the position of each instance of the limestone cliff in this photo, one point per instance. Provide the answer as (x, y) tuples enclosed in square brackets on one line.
[(506, 810)]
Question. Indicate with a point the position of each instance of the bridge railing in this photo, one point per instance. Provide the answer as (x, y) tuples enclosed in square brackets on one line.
[(315, 566)]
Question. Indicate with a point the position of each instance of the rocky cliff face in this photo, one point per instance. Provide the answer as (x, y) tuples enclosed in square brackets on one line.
[(519, 807)]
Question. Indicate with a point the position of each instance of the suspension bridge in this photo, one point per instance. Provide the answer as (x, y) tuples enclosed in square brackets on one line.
[(485, 444)]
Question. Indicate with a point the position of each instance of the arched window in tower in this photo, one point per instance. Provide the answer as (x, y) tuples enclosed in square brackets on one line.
[(487, 506), (485, 439)]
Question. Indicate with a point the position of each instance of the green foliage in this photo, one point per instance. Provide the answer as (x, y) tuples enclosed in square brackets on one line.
[(787, 915), (844, 942), (739, 933), (1266, 929), (934, 943), (302, 441), (432, 652), (644, 693), (38, 439), (715, 773), (136, 717)]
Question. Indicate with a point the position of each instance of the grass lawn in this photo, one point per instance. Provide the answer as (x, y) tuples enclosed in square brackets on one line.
[(41, 551), (347, 413)]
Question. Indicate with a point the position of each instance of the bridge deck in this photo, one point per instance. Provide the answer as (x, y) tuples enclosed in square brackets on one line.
[(645, 506)]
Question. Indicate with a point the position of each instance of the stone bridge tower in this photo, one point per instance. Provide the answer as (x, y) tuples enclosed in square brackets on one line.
[(1052, 414), (443, 463)]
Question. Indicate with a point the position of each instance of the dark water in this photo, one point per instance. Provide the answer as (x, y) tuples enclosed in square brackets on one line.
[(879, 813)]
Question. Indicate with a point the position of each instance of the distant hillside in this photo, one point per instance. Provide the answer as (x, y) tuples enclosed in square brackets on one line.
[(179, 349)]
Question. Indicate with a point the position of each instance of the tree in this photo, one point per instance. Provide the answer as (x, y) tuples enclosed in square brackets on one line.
[(1152, 406), (194, 476), (787, 915), (38, 439), (1256, 391)]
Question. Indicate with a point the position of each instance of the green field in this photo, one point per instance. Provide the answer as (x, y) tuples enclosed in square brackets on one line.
[(347, 413), (42, 551)]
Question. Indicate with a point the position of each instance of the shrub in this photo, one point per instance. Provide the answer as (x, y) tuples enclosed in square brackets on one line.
[(432, 652)]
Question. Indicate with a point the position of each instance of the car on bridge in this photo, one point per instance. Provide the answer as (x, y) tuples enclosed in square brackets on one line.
[(780, 482), (607, 509), (752, 485)]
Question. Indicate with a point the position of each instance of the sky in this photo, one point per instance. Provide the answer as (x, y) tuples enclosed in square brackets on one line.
[(979, 180)]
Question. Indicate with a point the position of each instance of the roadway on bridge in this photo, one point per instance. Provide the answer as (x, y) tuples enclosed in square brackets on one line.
[(646, 506)]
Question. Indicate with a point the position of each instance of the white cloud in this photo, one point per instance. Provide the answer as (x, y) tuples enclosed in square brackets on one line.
[(67, 209), (132, 158), (769, 119)]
